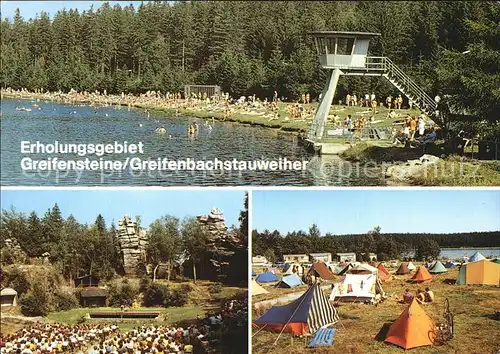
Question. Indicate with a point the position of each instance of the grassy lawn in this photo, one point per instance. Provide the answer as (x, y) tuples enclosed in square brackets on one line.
[(474, 331), (450, 171), (457, 171), (284, 122)]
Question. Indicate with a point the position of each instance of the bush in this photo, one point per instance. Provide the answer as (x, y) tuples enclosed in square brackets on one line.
[(215, 288), (18, 280), (186, 288), (176, 297), (123, 294), (144, 284), (36, 302), (30, 306), (65, 301), (156, 295)]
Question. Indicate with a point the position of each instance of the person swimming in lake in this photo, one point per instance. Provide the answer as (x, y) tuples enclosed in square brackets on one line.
[(161, 130)]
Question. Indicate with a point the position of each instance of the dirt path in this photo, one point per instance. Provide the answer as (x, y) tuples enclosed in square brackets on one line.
[(23, 318)]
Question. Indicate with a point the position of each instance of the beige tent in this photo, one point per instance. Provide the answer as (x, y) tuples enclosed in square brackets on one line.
[(257, 289)]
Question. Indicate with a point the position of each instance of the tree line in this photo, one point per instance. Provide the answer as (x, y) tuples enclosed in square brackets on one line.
[(79, 249), (252, 47), (274, 245)]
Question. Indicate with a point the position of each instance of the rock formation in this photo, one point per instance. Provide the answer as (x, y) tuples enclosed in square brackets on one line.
[(133, 242), (404, 171), (12, 251), (222, 245)]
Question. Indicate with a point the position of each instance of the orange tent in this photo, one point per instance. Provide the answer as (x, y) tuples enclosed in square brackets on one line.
[(382, 268), (383, 276), (412, 329), (422, 275)]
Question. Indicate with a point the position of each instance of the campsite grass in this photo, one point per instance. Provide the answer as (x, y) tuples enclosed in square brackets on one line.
[(471, 305)]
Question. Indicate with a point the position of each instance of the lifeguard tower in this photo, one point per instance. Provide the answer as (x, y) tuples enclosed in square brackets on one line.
[(346, 53)]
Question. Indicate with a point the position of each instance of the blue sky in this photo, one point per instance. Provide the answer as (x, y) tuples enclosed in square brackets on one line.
[(29, 9), (113, 204), (357, 211)]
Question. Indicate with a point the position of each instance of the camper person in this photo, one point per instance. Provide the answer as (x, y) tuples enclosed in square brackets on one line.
[(420, 296), (407, 296), (429, 295)]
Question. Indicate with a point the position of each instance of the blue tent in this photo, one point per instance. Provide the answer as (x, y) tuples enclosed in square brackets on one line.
[(290, 281), (450, 265), (307, 314), (267, 277), (476, 257)]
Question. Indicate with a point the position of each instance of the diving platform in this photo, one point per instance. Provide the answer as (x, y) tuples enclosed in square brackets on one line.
[(346, 53)]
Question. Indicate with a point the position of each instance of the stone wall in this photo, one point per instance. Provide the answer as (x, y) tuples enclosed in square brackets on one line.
[(133, 245)]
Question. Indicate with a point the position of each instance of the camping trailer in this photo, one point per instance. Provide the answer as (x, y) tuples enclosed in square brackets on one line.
[(323, 257), (296, 258), (346, 257)]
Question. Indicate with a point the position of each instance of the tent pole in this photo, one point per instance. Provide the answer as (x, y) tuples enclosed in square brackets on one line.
[(286, 324), (260, 329)]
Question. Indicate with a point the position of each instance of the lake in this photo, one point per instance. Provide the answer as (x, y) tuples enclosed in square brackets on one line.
[(458, 253), (82, 124)]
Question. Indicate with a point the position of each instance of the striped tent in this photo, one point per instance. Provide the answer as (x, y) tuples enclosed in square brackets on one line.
[(307, 314)]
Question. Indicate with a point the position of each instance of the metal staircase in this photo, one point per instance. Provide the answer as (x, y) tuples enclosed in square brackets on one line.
[(402, 82), (374, 66)]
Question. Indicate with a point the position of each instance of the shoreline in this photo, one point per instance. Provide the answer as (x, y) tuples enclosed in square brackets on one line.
[(113, 100), (402, 167)]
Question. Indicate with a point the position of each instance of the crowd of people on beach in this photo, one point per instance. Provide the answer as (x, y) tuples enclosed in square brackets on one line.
[(52, 338), (417, 130)]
